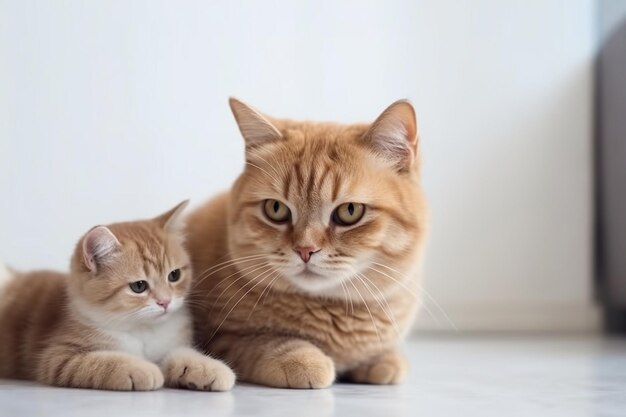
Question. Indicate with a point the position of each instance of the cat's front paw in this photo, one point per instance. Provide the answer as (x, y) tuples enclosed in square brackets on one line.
[(303, 366), (186, 368), (389, 368), (132, 375)]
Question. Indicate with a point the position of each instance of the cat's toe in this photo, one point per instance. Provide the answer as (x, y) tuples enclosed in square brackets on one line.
[(385, 370), (304, 368)]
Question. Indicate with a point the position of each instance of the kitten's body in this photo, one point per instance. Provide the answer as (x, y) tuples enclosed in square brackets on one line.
[(346, 308), (87, 329), (36, 307)]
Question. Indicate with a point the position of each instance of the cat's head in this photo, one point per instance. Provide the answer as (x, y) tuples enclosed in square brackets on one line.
[(328, 209), (132, 272)]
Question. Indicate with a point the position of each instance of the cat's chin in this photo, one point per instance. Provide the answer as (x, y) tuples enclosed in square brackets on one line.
[(313, 283)]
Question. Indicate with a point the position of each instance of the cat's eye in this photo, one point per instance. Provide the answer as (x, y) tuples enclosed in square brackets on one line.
[(276, 211), (138, 286), (348, 214), (174, 275)]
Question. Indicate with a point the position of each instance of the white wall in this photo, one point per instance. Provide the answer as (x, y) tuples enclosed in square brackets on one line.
[(117, 110)]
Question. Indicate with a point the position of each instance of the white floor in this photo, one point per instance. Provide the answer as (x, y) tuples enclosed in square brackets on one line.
[(460, 376)]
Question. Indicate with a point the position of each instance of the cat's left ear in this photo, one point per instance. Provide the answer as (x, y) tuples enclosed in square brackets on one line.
[(255, 128), (394, 135), (172, 220)]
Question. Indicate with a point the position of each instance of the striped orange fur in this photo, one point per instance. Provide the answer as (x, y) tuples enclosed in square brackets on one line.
[(295, 296)]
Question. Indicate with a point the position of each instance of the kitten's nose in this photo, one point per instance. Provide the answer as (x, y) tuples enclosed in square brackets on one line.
[(306, 252), (164, 303)]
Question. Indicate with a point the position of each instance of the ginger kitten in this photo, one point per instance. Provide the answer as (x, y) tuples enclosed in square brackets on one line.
[(308, 268), (117, 321)]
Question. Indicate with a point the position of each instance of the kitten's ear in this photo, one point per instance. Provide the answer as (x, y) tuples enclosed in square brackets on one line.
[(172, 220), (99, 245), (394, 135), (254, 127)]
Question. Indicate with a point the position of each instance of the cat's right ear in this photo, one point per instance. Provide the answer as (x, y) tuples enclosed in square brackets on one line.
[(99, 245), (254, 127), (394, 135)]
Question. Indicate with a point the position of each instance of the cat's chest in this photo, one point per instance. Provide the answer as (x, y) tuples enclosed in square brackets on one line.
[(154, 342)]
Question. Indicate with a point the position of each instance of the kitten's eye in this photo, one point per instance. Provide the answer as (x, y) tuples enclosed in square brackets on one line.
[(276, 211), (174, 275), (348, 214), (138, 286)]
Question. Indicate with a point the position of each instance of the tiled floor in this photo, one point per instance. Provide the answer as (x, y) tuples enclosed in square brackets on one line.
[(455, 376)]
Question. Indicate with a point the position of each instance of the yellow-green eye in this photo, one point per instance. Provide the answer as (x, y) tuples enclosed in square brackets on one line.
[(348, 214), (276, 211)]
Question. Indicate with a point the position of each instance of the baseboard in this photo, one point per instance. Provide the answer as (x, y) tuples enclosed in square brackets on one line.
[(511, 318)]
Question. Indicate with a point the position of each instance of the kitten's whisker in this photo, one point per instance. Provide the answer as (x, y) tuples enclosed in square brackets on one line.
[(194, 303), (115, 319)]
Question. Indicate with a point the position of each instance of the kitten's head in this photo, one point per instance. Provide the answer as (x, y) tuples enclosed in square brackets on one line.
[(132, 272), (328, 209)]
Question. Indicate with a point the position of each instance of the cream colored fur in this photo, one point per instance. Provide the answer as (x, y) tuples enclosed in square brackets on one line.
[(89, 329)]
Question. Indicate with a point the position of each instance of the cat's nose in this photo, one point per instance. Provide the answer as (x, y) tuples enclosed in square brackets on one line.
[(164, 303), (306, 252)]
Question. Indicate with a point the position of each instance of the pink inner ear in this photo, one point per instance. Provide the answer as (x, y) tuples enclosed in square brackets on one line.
[(98, 246), (89, 261), (394, 134)]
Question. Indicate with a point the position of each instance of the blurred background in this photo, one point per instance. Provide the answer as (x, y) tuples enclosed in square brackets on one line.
[(118, 110)]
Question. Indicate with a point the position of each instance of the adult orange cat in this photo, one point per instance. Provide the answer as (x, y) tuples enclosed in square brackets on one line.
[(308, 268), (118, 321)]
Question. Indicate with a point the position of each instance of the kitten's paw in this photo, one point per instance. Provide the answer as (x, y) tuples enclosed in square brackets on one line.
[(390, 368), (189, 369), (132, 375), (207, 375), (304, 366)]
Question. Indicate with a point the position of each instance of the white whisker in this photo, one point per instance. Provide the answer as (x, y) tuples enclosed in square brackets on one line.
[(264, 265), (273, 278), (421, 288), (210, 271), (272, 177), (238, 301), (369, 312), (387, 309)]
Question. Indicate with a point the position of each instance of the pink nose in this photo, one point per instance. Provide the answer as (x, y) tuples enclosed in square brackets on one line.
[(306, 252), (164, 303)]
